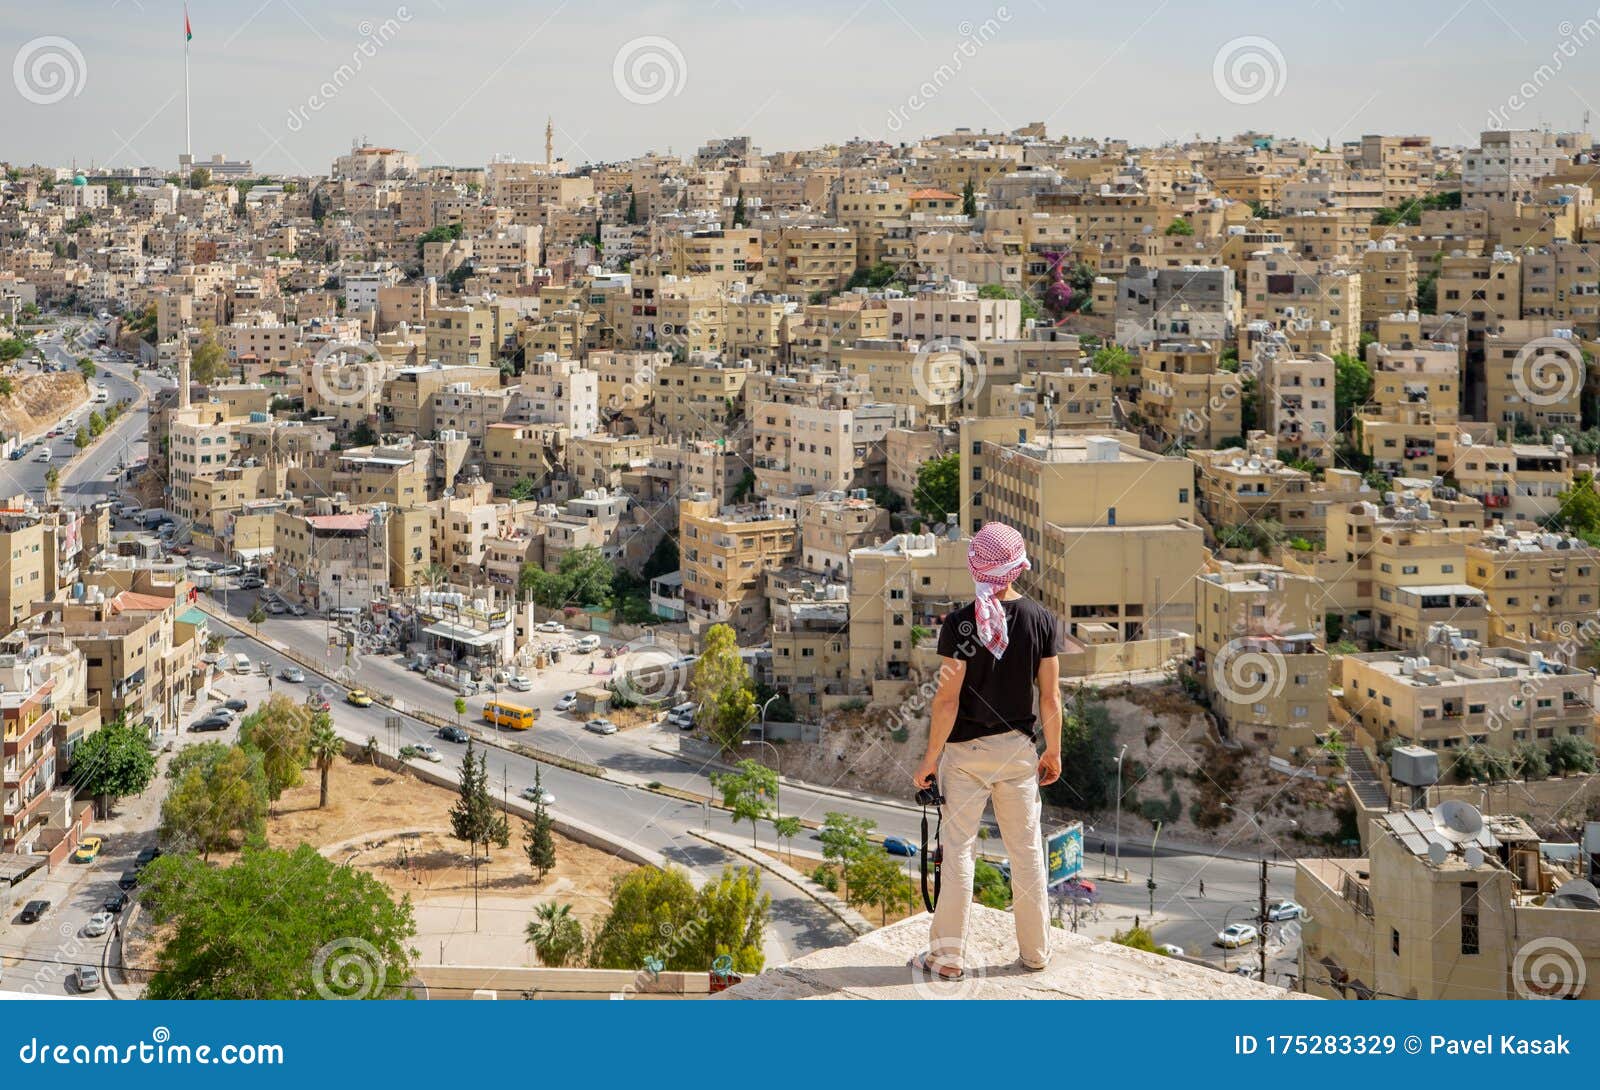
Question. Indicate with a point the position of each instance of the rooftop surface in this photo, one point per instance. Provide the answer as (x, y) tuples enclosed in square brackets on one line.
[(874, 967)]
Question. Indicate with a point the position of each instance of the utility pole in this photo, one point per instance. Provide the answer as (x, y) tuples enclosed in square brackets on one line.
[(1150, 884), (1264, 923)]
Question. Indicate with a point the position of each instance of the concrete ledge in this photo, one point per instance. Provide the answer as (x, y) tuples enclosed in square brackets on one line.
[(848, 916), (523, 982), (875, 967)]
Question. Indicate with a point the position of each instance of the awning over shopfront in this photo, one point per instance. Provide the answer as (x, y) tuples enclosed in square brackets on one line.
[(471, 637)]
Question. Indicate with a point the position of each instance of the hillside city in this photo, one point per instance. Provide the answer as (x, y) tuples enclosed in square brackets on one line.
[(523, 578)]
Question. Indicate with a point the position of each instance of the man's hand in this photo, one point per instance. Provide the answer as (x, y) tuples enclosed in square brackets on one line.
[(1049, 767), (926, 771)]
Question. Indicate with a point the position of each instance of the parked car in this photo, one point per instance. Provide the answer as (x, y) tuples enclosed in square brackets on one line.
[(129, 880), (34, 911), (601, 726), (98, 924), (521, 683), (224, 712), (276, 608), (428, 753), (453, 734), (241, 663), (146, 857), (1236, 935), (1283, 910), (236, 705), (538, 794), (586, 644), (1172, 950), (292, 674), (251, 582), (115, 903), (566, 701), (211, 723), (88, 849), (228, 570), (86, 978), (895, 845), (359, 698), (296, 609), (550, 626)]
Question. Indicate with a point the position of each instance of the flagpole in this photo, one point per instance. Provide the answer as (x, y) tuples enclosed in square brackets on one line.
[(188, 135)]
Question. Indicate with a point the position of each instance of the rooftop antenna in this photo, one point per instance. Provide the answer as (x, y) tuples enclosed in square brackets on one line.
[(1458, 822)]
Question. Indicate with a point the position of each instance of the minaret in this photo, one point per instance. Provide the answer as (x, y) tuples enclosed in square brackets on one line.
[(549, 141), (183, 371)]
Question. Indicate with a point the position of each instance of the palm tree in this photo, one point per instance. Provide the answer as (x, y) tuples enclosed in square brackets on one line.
[(435, 574), (555, 934), (325, 745)]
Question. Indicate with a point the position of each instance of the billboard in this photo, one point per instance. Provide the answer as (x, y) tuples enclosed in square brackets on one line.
[(1063, 853)]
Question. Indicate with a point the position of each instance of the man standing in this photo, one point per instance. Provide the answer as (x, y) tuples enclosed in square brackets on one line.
[(981, 744)]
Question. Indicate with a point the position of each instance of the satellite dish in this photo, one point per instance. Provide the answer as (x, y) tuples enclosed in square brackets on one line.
[(1577, 893), (1438, 853), (1474, 856), (1457, 822)]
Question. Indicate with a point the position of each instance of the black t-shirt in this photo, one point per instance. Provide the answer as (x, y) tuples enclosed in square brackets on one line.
[(997, 696)]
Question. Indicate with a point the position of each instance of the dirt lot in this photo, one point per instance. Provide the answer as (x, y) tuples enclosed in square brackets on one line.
[(37, 401)]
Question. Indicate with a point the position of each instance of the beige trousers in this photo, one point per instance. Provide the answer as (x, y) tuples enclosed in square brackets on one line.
[(1002, 768)]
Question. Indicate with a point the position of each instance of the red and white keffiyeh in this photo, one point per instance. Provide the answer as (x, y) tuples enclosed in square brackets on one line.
[(995, 557)]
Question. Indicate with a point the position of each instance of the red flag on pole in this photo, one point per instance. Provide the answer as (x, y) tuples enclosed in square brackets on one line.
[(188, 31)]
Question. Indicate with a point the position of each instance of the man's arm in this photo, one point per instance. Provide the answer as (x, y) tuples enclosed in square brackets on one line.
[(1049, 678), (946, 702)]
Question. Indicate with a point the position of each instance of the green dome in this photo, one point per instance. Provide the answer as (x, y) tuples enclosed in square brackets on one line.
[(80, 180)]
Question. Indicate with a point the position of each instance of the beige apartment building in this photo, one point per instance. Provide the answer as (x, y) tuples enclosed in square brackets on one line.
[(1258, 643), (1534, 373), (1297, 406), (1316, 307), (513, 453), (811, 646), (1429, 916), (1186, 397), (900, 591), (1542, 588), (811, 261), (832, 526), (700, 400), (405, 400), (1388, 282), (1485, 290), (1418, 378), (1242, 488), (331, 559), (725, 554), (1517, 482)]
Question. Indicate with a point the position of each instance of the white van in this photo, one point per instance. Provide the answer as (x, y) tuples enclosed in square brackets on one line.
[(241, 663), (585, 644)]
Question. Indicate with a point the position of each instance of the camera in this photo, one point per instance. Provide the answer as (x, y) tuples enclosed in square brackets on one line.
[(929, 796)]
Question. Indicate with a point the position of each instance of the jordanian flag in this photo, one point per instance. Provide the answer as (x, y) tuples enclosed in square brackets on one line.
[(188, 31)]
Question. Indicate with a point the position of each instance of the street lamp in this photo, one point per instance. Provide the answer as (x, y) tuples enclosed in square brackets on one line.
[(1118, 831), (764, 708)]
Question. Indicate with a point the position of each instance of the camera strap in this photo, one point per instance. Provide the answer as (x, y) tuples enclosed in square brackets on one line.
[(937, 857)]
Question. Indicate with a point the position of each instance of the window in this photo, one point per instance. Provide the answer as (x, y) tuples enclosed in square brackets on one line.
[(1394, 941), (1469, 917)]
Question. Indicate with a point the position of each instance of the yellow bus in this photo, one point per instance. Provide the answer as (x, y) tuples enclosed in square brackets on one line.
[(512, 716)]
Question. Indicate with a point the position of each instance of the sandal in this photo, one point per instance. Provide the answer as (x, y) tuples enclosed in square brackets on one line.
[(921, 963)]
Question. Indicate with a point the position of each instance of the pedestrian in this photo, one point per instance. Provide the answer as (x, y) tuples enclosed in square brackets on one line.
[(983, 747), (1202, 887)]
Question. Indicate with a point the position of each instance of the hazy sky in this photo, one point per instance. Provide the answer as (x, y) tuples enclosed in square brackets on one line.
[(290, 83)]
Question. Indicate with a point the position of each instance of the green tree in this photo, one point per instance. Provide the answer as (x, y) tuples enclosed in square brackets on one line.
[(81, 439), (938, 490), (582, 578), (657, 916), (786, 829), (1088, 757), (474, 817), (555, 935), (257, 614), (1570, 753), (740, 216), (1530, 761), (363, 435), (214, 800), (1138, 938), (461, 707), (538, 838), (747, 792), (720, 685), (1111, 359), (1579, 509), (1352, 386), (207, 364), (97, 424), (523, 489), (87, 367), (846, 840), (275, 925), (876, 881), (969, 199), (112, 763), (199, 178), (6, 387), (324, 747), (52, 480), (632, 215), (1179, 226), (281, 732), (663, 559)]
